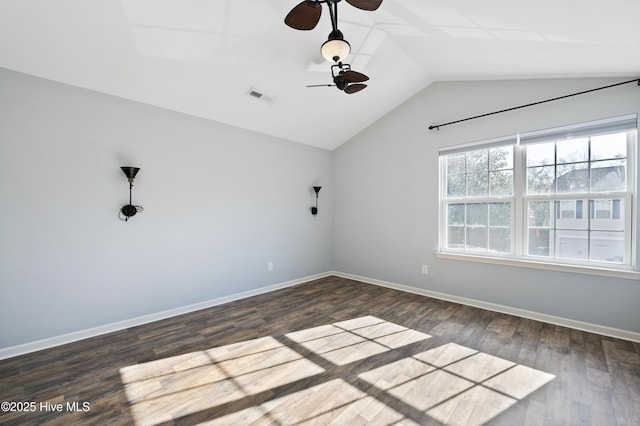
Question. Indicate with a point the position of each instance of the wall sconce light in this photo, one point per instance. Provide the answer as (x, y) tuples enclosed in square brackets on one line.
[(314, 210), (129, 210)]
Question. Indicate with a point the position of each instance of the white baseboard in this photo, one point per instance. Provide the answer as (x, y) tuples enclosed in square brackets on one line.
[(566, 322), (50, 342)]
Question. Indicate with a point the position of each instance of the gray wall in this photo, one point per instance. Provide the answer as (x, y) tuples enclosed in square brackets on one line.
[(386, 197), (220, 203)]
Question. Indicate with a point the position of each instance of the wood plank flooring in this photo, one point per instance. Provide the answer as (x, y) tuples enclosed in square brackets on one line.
[(331, 351)]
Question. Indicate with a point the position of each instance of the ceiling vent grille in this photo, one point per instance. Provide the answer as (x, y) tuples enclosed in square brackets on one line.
[(254, 93), (259, 96)]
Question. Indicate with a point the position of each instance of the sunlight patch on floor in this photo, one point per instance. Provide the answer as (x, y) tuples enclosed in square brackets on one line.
[(457, 385), (159, 391), (354, 340), (333, 402), (263, 380)]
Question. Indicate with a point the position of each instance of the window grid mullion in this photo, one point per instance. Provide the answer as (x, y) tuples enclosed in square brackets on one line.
[(519, 187)]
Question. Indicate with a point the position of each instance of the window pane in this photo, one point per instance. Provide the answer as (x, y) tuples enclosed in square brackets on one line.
[(455, 164), (500, 214), (500, 240), (572, 178), (615, 209), (456, 186), (608, 175), (571, 214), (455, 237), (572, 244), (609, 146), (477, 161), (501, 158), (478, 184), (607, 215), (572, 151), (540, 213), (455, 214), (567, 209), (477, 214), (539, 242), (607, 246), (603, 209), (501, 183), (540, 180), (541, 154), (476, 239)]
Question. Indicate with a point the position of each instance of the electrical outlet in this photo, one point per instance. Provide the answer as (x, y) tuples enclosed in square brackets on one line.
[(425, 269), (270, 266)]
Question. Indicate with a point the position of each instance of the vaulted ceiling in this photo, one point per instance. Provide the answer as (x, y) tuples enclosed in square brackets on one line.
[(202, 57)]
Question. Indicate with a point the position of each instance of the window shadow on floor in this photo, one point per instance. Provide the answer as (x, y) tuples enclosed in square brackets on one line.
[(361, 370)]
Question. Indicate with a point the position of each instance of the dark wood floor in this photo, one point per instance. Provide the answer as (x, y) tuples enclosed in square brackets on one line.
[(421, 361)]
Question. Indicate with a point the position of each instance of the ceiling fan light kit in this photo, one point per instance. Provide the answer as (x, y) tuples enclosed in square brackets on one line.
[(336, 49)]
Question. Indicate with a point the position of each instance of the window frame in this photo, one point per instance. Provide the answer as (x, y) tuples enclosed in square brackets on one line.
[(519, 199)]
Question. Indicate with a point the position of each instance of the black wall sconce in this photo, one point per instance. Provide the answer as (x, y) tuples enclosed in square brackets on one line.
[(129, 210), (314, 210)]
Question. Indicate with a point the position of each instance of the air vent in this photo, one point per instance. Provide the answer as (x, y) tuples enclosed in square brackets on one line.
[(259, 96), (254, 93)]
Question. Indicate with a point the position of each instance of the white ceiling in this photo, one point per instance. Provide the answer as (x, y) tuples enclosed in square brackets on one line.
[(201, 57)]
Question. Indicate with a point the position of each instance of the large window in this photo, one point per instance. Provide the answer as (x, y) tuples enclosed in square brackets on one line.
[(562, 195)]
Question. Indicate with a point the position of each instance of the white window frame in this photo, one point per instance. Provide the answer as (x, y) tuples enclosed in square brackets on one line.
[(519, 228)]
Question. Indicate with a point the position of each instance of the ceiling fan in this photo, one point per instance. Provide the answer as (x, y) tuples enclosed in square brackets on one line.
[(305, 16), (345, 79)]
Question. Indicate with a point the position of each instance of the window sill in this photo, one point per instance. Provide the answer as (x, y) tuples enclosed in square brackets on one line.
[(589, 270)]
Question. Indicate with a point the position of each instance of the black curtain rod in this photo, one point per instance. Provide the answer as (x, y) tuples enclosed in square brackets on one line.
[(437, 126)]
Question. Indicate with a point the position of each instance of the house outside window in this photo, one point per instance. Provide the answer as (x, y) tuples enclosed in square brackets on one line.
[(562, 195)]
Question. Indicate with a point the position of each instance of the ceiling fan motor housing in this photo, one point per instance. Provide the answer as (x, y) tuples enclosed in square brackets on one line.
[(339, 82)]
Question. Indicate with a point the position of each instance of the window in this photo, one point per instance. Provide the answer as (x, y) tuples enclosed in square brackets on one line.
[(562, 195), (480, 188)]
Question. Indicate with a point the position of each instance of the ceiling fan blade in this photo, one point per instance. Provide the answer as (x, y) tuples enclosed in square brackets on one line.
[(304, 16), (354, 77), (321, 85), (365, 4), (353, 88)]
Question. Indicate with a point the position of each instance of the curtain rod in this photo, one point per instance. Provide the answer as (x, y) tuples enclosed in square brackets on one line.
[(437, 126)]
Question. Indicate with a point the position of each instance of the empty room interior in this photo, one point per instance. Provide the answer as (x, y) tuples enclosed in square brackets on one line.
[(320, 212)]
